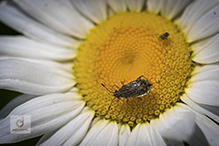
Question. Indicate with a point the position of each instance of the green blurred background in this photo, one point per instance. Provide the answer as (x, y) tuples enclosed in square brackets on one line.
[(6, 95)]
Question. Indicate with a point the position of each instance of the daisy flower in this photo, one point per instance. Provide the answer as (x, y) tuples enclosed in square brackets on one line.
[(111, 72)]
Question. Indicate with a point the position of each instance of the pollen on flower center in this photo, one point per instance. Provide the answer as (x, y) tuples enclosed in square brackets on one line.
[(124, 47)]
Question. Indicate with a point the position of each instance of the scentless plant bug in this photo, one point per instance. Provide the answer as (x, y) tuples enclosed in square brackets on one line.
[(136, 88), (164, 36)]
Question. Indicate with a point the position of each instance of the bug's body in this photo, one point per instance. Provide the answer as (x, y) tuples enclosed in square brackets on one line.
[(164, 36), (136, 88)]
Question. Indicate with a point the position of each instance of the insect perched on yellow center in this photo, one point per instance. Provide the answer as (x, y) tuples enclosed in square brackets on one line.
[(164, 36), (136, 88)]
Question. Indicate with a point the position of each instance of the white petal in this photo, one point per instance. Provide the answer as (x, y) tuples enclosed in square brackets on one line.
[(207, 72), (212, 109), (81, 131), (196, 107), (102, 133), (200, 20), (194, 11), (204, 92), (33, 78), (64, 68), (14, 103), (57, 15), (124, 133), (155, 5), (207, 51), (208, 127), (73, 132), (74, 93), (111, 12), (172, 8), (177, 124), (210, 130), (20, 22), (156, 138), (117, 5), (93, 9), (47, 113), (135, 5), (94, 122), (24, 47), (140, 136)]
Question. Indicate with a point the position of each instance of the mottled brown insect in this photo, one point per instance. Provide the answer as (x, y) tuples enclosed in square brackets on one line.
[(164, 36), (136, 88)]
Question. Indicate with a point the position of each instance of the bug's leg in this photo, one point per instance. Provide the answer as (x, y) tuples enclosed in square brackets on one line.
[(141, 99), (116, 87), (141, 77), (127, 101), (111, 103), (106, 88), (123, 82)]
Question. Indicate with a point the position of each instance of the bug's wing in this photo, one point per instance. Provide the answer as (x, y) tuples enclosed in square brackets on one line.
[(130, 90)]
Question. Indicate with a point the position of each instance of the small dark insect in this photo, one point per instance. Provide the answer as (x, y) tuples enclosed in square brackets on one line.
[(164, 36), (136, 88)]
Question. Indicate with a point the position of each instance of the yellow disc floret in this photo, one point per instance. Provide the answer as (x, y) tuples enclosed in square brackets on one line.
[(124, 47)]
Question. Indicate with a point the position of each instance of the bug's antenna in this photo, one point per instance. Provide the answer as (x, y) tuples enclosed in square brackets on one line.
[(106, 88), (111, 103)]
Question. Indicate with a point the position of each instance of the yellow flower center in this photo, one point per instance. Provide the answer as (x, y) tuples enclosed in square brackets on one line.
[(123, 48)]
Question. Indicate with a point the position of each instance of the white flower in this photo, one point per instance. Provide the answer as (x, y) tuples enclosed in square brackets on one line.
[(108, 42)]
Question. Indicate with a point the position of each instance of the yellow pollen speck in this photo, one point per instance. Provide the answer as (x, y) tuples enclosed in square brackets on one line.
[(124, 47)]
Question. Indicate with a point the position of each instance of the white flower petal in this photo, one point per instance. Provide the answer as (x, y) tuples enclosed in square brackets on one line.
[(117, 5), (81, 130), (74, 93), (73, 132), (66, 3), (210, 130), (47, 114), (57, 15), (24, 47), (194, 11), (200, 20), (14, 103), (156, 138), (64, 68), (172, 8), (33, 78), (124, 133), (155, 5), (102, 133), (177, 124), (93, 9), (207, 126), (207, 72), (168, 8), (20, 22), (196, 107), (140, 136), (95, 121), (204, 92), (207, 51), (111, 12), (46, 136), (135, 5), (212, 109)]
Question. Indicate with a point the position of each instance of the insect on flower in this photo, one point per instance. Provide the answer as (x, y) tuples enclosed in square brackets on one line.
[(136, 88), (164, 36)]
